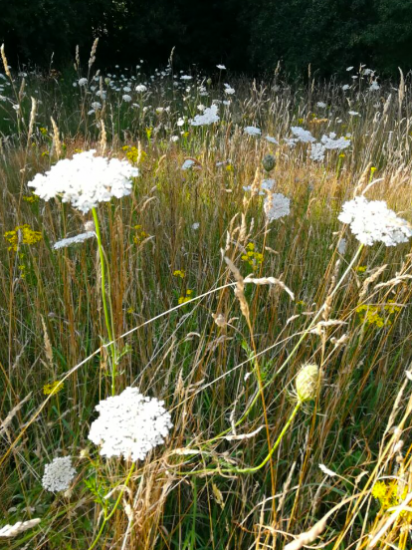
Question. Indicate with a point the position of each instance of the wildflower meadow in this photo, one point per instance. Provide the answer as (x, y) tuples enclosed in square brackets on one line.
[(205, 286)]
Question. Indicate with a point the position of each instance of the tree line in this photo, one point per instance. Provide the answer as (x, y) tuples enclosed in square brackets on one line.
[(249, 36)]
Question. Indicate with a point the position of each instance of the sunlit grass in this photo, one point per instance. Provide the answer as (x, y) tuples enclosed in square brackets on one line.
[(224, 363)]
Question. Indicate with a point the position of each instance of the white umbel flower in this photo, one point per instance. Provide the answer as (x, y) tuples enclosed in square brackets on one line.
[(373, 221), (73, 240), (58, 474), (331, 142), (252, 131), (276, 206), (302, 135), (317, 152), (130, 425), (209, 116), (85, 180)]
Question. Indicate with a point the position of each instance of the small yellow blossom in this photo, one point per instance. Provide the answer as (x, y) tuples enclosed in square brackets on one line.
[(54, 387), (390, 494), (361, 268), (140, 236), (377, 315), (179, 273), (22, 234), (252, 256), (30, 198), (187, 298)]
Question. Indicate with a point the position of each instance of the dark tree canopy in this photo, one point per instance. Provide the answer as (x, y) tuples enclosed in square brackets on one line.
[(247, 35)]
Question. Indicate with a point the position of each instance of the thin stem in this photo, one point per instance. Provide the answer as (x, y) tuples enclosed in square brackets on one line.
[(107, 311), (295, 349), (275, 446), (116, 504)]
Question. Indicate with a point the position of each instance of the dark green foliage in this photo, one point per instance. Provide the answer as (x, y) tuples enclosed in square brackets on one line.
[(247, 35)]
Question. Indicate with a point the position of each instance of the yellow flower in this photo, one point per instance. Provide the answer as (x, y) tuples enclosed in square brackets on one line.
[(361, 268), (30, 198), (54, 387), (22, 234), (179, 273)]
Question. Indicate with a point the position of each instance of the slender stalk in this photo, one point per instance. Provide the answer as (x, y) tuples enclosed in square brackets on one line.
[(294, 350), (106, 309), (116, 505)]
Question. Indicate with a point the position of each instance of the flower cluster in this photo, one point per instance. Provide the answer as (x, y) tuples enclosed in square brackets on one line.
[(304, 136), (187, 298), (252, 256), (252, 131), (373, 221), (308, 382), (371, 315), (130, 425), (54, 387), (85, 180), (276, 206), (73, 240), (209, 116), (22, 234), (179, 273), (140, 235), (391, 493), (58, 474), (132, 153)]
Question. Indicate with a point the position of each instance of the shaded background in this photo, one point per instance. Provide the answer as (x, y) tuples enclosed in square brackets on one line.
[(249, 36)]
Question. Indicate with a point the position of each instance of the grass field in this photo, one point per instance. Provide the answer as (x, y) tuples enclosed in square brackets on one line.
[(189, 292)]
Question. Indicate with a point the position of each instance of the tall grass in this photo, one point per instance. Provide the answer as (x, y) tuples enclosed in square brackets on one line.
[(224, 363)]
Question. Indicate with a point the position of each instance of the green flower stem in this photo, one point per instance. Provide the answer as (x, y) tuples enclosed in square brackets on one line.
[(116, 505), (253, 469), (295, 349), (107, 311), (273, 449)]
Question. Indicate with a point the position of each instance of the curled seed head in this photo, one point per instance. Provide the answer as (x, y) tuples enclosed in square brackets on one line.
[(268, 162), (308, 382)]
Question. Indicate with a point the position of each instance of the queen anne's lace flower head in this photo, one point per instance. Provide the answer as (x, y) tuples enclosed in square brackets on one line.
[(276, 206), (252, 131), (130, 425), (209, 116), (302, 135), (58, 474), (373, 221), (85, 180), (331, 142), (74, 240)]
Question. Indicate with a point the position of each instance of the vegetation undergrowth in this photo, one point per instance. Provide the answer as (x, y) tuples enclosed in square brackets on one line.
[(280, 346)]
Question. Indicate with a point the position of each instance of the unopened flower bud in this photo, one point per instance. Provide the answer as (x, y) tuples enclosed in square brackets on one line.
[(308, 382), (268, 162)]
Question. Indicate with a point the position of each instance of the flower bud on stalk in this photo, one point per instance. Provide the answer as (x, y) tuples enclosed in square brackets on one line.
[(308, 382)]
